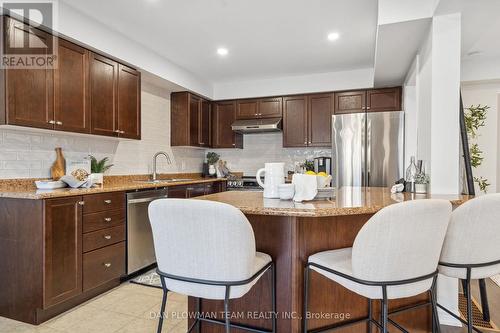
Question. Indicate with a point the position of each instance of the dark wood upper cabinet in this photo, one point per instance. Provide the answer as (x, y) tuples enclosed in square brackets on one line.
[(103, 82), (205, 124), (380, 100), (371, 100), (129, 103), (295, 121), (85, 92), (223, 116), (63, 250), (259, 108), (29, 93), (271, 107), (320, 120), (71, 87), (350, 101), (247, 109), (190, 119)]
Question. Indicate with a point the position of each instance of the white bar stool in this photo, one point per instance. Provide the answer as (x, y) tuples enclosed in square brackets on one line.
[(395, 255), (471, 248), (206, 249)]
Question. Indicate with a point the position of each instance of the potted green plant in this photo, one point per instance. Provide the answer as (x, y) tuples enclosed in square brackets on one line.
[(97, 169), (212, 158), (421, 181)]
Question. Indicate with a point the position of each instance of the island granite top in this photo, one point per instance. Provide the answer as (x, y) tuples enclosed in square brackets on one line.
[(348, 201)]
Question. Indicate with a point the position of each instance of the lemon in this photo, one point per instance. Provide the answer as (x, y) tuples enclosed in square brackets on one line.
[(322, 174), (310, 173)]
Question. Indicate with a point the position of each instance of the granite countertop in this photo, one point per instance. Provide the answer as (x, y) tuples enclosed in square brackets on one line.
[(25, 188), (349, 201)]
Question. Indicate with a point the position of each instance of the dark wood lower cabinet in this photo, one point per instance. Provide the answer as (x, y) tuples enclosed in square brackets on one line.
[(63, 250), (196, 190)]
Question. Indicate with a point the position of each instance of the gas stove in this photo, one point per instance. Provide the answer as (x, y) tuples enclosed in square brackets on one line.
[(245, 183)]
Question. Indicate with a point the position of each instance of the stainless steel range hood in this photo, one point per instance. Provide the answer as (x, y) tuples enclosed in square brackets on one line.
[(257, 125)]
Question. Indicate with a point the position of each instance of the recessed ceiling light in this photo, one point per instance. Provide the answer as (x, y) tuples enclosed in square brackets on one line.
[(474, 53), (333, 36), (222, 51)]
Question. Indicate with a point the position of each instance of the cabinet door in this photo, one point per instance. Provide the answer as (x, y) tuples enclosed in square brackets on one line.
[(179, 192), (320, 120), (71, 87), (223, 117), (205, 125), (380, 100), (271, 107), (128, 120), (194, 120), (195, 190), (29, 92), (295, 121), (247, 109), (63, 250), (350, 101), (103, 80)]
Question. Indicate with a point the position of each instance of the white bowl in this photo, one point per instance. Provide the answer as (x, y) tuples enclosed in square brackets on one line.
[(286, 191)]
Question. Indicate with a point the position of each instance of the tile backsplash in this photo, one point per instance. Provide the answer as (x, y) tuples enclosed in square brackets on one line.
[(26, 153), (266, 147)]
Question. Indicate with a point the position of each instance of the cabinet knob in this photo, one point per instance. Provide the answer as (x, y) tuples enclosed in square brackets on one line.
[(368, 108), (122, 132), (107, 264), (58, 122), (107, 201), (81, 203), (107, 219), (51, 122), (107, 237)]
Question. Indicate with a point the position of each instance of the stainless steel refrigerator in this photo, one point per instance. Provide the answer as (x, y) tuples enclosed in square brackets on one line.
[(368, 148)]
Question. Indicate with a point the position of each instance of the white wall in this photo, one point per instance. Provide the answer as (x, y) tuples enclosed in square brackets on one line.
[(392, 11), (353, 79), (479, 68), (486, 93), (29, 153), (410, 101), (262, 148)]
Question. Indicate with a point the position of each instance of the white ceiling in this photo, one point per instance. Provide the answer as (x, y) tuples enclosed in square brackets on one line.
[(264, 38)]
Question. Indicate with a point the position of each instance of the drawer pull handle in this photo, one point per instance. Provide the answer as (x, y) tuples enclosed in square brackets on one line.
[(107, 219), (107, 237), (81, 203), (107, 201), (108, 264)]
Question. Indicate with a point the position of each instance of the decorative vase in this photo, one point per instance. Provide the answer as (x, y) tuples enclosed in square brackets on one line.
[(96, 179), (421, 188), (211, 170), (58, 169)]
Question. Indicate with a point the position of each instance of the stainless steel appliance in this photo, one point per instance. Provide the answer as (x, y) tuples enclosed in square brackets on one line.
[(244, 183), (140, 249), (368, 148), (323, 164)]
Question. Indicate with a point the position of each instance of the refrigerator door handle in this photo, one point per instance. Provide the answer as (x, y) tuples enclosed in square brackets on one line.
[(368, 149), (364, 169)]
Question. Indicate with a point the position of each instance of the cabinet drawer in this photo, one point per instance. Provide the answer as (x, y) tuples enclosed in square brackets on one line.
[(103, 265), (97, 239), (103, 202), (101, 220)]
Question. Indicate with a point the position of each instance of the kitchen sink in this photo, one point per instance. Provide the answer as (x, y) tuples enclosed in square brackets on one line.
[(166, 180)]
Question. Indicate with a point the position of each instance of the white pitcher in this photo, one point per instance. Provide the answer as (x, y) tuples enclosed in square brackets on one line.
[(274, 176)]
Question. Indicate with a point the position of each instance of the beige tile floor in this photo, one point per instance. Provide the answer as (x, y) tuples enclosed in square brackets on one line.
[(128, 308)]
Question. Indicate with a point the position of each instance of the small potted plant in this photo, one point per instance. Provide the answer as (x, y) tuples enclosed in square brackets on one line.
[(97, 169), (212, 159), (421, 181)]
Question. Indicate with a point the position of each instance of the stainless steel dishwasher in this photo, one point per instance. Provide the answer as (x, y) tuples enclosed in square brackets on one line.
[(140, 249)]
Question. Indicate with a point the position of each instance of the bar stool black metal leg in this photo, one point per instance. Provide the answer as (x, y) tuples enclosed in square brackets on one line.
[(273, 295), (484, 300), (306, 299), (198, 314), (464, 287), (226, 310), (435, 318), (469, 302), (163, 305), (384, 310), (370, 314)]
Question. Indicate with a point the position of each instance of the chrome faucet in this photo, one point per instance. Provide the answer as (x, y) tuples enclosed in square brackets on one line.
[(153, 177)]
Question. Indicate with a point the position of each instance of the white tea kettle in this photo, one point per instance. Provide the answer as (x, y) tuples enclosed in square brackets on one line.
[(274, 176)]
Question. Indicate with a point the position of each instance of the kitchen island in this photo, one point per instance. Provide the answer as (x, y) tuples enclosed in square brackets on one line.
[(290, 232)]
